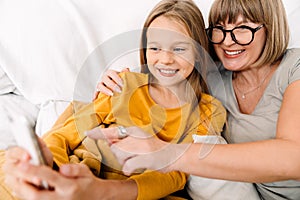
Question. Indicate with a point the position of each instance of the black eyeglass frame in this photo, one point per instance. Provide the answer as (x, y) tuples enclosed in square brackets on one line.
[(253, 30)]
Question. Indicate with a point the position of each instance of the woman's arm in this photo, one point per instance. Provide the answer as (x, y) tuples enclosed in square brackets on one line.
[(110, 82), (262, 161)]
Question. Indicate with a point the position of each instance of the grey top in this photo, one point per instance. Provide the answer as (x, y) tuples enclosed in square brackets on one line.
[(261, 124)]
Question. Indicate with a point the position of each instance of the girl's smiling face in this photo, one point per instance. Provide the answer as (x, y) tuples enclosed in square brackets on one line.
[(170, 51)]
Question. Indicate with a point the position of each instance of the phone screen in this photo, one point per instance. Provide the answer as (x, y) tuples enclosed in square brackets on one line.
[(26, 138)]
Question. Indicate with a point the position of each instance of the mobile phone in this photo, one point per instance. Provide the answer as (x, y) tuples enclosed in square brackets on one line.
[(26, 138)]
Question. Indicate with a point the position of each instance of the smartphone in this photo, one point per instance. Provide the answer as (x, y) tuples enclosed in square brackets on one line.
[(26, 138)]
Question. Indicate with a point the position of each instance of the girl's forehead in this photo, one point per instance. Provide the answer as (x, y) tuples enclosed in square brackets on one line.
[(166, 36), (168, 23)]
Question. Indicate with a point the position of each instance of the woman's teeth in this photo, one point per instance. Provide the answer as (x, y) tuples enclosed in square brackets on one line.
[(232, 53)]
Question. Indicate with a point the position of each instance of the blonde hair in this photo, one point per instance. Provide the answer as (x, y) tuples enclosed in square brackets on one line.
[(271, 13), (187, 13)]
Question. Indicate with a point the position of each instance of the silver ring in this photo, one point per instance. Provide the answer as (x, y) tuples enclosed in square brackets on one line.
[(122, 133)]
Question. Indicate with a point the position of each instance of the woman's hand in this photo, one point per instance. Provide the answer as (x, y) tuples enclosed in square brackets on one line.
[(140, 150), (46, 152), (72, 182), (110, 82)]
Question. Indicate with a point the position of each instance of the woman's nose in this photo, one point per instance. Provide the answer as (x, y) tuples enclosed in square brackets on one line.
[(228, 39)]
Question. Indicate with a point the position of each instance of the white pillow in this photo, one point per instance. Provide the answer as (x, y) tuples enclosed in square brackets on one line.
[(44, 44), (207, 189)]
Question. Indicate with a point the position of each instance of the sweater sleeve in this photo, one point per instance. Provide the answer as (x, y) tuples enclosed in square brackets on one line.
[(161, 184), (68, 132), (218, 117), (212, 116)]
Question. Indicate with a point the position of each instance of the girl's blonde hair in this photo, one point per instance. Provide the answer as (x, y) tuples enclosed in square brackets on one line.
[(271, 13), (187, 13)]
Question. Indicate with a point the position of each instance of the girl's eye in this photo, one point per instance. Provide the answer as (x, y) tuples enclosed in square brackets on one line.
[(179, 50), (154, 49)]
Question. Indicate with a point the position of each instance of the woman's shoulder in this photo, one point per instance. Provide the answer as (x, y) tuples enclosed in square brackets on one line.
[(291, 56), (290, 63)]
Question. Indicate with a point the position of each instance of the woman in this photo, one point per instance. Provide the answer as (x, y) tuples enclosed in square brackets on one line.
[(261, 79)]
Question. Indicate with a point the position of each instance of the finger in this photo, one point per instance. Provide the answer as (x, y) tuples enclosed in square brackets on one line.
[(17, 187), (75, 170), (96, 95), (114, 75), (133, 164), (103, 133), (111, 83), (120, 154), (125, 70), (16, 154), (108, 134), (104, 89), (46, 152), (25, 190)]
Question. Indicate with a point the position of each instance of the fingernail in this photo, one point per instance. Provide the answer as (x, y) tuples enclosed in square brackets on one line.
[(118, 90), (120, 84), (90, 132), (24, 166), (64, 169)]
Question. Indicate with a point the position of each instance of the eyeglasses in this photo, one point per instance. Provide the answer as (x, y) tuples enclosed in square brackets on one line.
[(242, 35)]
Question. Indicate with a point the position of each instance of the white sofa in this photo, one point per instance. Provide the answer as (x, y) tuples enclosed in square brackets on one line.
[(47, 49)]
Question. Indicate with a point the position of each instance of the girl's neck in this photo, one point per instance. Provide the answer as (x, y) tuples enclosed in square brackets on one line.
[(168, 97)]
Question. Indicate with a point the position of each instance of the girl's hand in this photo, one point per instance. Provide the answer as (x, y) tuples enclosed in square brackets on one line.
[(110, 82)]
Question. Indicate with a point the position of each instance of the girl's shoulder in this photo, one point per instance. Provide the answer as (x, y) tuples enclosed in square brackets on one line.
[(133, 79), (211, 103)]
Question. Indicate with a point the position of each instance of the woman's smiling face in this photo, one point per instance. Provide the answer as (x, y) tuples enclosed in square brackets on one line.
[(170, 51), (236, 57)]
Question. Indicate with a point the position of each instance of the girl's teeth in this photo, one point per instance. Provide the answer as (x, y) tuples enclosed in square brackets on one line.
[(167, 71)]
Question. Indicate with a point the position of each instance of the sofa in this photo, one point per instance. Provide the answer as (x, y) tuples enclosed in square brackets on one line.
[(54, 52)]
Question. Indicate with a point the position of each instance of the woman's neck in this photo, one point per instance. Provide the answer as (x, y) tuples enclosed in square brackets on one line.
[(249, 86)]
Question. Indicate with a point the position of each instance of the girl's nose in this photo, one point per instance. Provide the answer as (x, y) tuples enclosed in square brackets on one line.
[(166, 57)]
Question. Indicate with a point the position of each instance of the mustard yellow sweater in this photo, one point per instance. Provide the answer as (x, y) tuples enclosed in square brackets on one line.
[(135, 107)]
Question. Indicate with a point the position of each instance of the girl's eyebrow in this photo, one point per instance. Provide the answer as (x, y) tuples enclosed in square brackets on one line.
[(182, 42)]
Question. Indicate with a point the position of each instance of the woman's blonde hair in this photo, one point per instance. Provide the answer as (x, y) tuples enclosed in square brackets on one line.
[(271, 13), (188, 14)]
